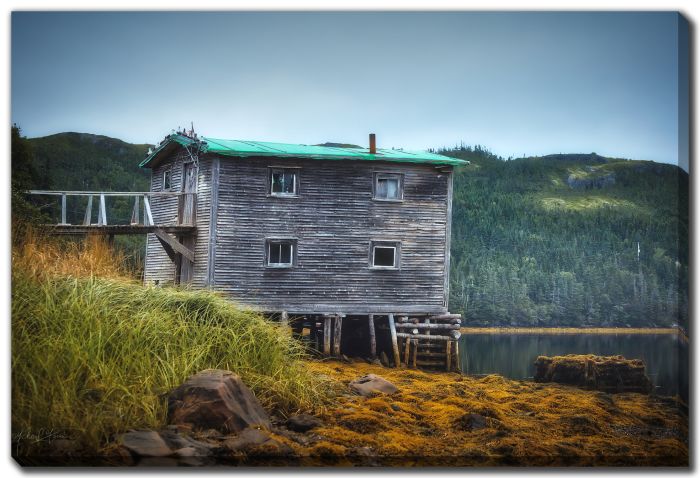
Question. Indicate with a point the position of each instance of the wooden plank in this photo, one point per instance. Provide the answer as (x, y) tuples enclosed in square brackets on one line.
[(433, 338), (121, 229), (63, 209), (147, 215), (429, 326), (372, 336), (414, 353), (448, 356), (337, 335), (394, 344), (448, 237), (135, 219), (327, 336), (213, 218), (174, 244), (455, 353), (88, 212), (103, 211), (104, 193)]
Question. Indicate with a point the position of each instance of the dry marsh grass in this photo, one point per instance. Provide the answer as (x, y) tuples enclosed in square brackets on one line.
[(94, 352)]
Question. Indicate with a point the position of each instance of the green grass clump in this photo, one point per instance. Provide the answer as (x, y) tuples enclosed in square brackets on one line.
[(94, 356)]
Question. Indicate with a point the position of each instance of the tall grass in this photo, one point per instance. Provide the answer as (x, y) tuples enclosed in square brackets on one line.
[(94, 353)]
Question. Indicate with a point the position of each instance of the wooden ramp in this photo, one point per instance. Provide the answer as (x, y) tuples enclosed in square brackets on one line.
[(171, 236)]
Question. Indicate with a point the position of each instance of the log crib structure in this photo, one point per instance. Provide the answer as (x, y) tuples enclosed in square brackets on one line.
[(350, 243)]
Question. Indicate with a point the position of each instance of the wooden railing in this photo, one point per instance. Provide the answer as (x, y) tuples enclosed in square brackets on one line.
[(185, 215)]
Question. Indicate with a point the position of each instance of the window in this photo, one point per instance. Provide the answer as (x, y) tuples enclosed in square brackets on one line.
[(284, 182), (384, 255), (280, 253), (167, 182), (388, 186)]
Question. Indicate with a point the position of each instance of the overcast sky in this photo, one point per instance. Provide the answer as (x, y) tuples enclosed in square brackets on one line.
[(517, 83)]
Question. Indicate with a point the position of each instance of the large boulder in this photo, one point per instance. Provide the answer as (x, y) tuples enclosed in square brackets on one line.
[(216, 399), (370, 384), (610, 374), (303, 422)]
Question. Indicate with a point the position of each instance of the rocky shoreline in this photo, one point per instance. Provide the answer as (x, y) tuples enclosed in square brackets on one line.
[(400, 417)]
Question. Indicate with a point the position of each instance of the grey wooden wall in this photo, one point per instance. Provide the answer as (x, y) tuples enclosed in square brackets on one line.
[(158, 266), (333, 219)]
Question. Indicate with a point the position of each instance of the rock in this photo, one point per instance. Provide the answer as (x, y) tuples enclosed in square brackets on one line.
[(344, 358), (395, 407), (216, 399), (471, 421), (376, 361), (383, 359), (257, 443), (248, 437), (145, 443), (176, 441), (303, 422), (610, 374), (372, 383)]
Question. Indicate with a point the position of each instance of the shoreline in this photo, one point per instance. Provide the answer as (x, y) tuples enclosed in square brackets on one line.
[(571, 330)]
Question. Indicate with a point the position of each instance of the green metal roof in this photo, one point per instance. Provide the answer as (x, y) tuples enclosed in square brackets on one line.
[(238, 148)]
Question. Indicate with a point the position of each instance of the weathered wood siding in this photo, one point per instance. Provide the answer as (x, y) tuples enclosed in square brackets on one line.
[(158, 266), (333, 219)]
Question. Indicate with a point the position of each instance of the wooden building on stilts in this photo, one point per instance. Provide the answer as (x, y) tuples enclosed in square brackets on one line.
[(350, 243)]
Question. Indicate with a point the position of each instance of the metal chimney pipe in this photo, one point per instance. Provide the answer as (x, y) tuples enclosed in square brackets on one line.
[(372, 143)]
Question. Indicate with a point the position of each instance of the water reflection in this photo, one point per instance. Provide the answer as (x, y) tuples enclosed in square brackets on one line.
[(512, 355)]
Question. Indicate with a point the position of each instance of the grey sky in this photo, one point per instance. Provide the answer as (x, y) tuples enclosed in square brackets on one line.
[(517, 83)]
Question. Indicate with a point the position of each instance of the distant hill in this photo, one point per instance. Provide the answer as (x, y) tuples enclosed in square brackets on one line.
[(553, 240), (543, 241)]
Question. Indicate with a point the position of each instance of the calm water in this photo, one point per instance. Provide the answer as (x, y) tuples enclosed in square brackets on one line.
[(512, 355)]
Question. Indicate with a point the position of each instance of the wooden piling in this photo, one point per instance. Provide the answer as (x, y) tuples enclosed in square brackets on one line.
[(372, 337), (284, 319), (394, 344), (448, 356), (326, 336), (406, 351), (336, 335), (414, 353), (458, 368)]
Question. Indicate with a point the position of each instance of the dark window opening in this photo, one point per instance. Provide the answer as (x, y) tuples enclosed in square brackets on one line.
[(284, 182), (388, 186), (167, 183), (280, 253), (384, 255)]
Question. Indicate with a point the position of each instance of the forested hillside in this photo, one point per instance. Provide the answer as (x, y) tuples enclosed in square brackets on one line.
[(574, 240)]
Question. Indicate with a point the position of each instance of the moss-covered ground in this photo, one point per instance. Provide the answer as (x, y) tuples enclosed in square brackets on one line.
[(526, 423)]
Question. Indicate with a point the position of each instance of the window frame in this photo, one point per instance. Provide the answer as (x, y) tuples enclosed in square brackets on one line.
[(396, 245), (269, 241), (168, 177), (375, 183), (286, 169)]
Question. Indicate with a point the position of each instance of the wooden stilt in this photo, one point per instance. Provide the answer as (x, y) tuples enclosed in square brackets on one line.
[(284, 319), (326, 335), (394, 344), (458, 368), (336, 335), (448, 356), (372, 337), (414, 353), (406, 351)]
